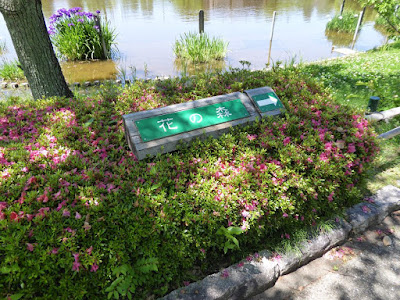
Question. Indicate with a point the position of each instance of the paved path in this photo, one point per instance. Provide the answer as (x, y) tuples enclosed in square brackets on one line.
[(365, 267)]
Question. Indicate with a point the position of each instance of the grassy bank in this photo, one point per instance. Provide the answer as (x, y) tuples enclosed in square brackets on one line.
[(354, 79)]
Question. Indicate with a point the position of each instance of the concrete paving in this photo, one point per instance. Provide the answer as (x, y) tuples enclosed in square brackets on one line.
[(367, 266)]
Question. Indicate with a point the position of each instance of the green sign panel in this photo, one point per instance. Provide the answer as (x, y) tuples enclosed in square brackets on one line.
[(183, 121), (267, 102)]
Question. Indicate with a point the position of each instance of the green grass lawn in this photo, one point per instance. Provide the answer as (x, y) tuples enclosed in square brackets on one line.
[(354, 79)]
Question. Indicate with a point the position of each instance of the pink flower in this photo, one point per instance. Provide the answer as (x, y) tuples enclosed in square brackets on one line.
[(351, 148), (110, 186), (366, 209), (251, 137), (66, 213), (225, 273), (77, 216), (54, 251), (75, 266), (245, 214), (328, 146), (276, 257), (14, 216), (6, 174), (286, 141), (369, 199), (43, 198), (25, 169), (29, 247), (89, 250), (330, 197), (241, 264), (218, 174), (324, 157), (186, 283), (285, 215), (94, 268)]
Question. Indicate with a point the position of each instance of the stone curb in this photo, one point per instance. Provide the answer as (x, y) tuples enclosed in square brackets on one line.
[(252, 278)]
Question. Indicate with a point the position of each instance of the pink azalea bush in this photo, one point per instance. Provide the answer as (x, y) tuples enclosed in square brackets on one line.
[(75, 203)]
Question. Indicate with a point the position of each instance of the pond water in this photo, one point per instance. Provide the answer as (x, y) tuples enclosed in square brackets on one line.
[(147, 30)]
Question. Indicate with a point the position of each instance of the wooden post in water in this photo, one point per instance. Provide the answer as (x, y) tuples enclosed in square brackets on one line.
[(272, 35), (342, 7), (357, 29), (201, 21), (363, 13), (103, 43)]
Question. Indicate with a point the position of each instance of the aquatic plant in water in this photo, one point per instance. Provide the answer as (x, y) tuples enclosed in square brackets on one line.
[(343, 23), (200, 48), (79, 35)]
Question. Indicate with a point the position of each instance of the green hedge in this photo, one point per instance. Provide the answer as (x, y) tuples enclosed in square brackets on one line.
[(80, 217)]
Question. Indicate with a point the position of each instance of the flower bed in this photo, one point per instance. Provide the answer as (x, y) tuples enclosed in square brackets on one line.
[(80, 216)]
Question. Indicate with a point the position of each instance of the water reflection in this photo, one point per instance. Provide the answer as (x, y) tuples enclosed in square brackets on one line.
[(147, 30), (187, 69), (187, 8), (340, 39), (89, 70)]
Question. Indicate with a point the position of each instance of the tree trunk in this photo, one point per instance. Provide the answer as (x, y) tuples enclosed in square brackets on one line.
[(25, 22)]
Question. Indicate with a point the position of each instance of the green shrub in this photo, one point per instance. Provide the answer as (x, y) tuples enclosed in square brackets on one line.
[(81, 218), (77, 37), (199, 48), (10, 70), (388, 26), (347, 22)]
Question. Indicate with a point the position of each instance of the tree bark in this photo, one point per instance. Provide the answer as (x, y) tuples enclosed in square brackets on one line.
[(25, 22)]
